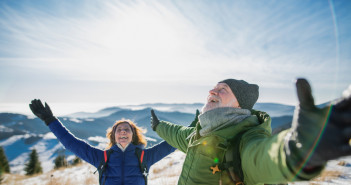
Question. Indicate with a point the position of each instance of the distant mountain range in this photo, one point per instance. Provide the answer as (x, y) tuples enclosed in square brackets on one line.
[(19, 133)]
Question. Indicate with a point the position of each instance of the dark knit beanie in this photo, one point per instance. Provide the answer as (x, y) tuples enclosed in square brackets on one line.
[(245, 93)]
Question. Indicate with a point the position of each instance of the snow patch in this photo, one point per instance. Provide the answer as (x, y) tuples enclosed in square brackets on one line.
[(89, 119), (98, 139), (17, 165), (150, 139), (11, 140), (347, 92), (49, 135), (5, 129), (75, 120)]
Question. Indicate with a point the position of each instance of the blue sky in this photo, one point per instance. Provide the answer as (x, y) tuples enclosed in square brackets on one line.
[(130, 52)]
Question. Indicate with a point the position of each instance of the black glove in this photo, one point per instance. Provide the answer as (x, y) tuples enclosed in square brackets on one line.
[(44, 113), (196, 119), (154, 120), (314, 138)]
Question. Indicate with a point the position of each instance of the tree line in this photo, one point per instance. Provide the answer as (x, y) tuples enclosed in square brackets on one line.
[(4, 164), (33, 166)]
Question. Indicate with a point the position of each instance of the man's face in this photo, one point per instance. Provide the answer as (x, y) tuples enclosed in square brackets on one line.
[(220, 96)]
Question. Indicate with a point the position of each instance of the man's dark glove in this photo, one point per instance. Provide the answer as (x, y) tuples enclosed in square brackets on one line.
[(154, 120), (44, 113), (316, 138), (196, 119)]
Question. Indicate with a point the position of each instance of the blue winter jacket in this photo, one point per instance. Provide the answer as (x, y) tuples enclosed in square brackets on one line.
[(123, 167)]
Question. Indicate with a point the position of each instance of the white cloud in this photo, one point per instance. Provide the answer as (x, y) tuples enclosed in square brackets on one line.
[(124, 43), (171, 42)]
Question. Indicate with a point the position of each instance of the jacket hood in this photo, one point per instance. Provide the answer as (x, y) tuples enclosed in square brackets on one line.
[(263, 118)]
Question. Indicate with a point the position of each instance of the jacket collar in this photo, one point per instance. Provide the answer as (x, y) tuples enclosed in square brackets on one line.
[(130, 147), (221, 118)]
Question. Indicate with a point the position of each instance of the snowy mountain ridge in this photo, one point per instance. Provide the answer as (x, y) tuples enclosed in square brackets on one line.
[(20, 133)]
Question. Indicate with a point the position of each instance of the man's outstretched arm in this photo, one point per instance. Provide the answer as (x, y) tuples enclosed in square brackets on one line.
[(175, 135), (317, 134)]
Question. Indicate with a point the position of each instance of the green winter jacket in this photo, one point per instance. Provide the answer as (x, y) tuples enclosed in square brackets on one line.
[(262, 155)]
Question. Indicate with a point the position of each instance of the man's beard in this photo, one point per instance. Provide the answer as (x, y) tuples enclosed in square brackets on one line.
[(210, 106)]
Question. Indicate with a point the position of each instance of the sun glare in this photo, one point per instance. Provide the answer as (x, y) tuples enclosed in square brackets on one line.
[(136, 38)]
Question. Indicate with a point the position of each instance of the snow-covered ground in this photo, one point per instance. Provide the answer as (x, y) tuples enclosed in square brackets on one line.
[(19, 151), (165, 172)]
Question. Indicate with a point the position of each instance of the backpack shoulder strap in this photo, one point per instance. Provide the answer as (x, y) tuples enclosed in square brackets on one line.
[(233, 156), (232, 160), (142, 163), (103, 165)]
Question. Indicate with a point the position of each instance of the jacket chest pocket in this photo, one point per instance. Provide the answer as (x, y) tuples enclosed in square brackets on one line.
[(206, 154), (212, 147)]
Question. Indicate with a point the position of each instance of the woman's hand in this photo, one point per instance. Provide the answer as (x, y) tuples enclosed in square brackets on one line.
[(44, 113)]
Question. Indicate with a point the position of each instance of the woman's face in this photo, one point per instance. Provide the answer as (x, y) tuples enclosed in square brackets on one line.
[(124, 134)]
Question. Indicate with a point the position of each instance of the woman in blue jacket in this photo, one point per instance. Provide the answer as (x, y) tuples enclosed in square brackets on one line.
[(124, 137)]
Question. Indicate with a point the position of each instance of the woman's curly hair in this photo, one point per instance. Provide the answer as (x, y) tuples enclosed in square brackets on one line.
[(138, 137)]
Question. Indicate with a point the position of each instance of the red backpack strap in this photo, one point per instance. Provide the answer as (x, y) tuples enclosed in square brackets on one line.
[(103, 165), (142, 156), (105, 156), (143, 166)]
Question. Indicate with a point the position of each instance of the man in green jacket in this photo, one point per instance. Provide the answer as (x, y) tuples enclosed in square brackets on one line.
[(228, 122)]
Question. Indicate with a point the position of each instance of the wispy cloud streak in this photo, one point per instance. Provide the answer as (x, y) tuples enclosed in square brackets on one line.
[(180, 42)]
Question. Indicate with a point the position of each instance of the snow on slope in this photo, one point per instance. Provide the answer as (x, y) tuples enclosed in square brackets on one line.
[(20, 146)]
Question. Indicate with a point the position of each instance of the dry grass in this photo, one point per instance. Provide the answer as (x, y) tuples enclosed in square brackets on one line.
[(165, 173), (328, 175), (90, 180), (61, 176), (16, 179), (59, 181), (167, 170), (342, 163), (162, 168)]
